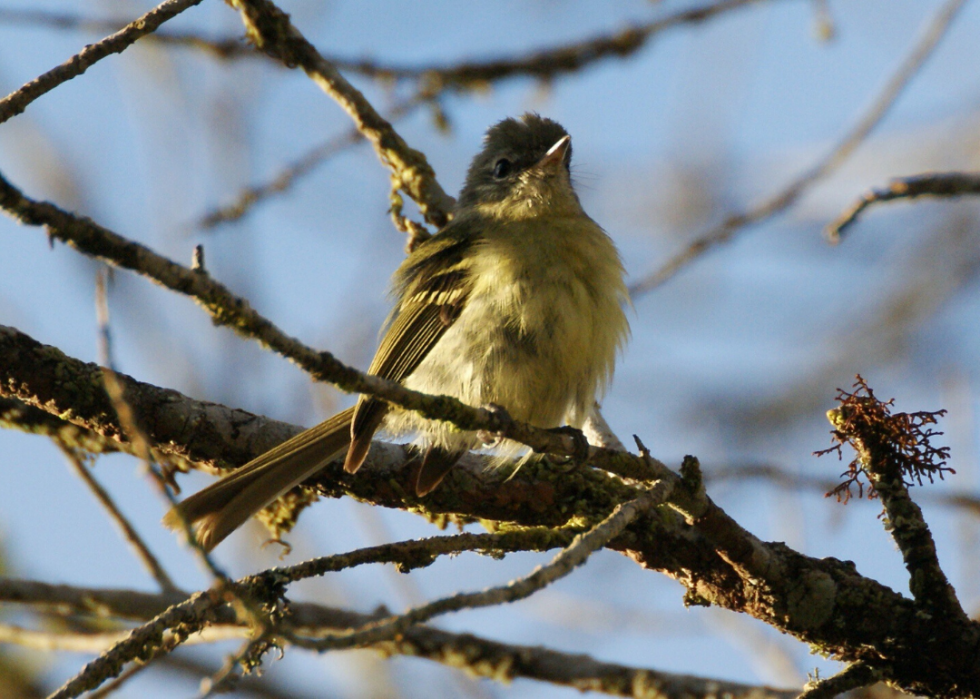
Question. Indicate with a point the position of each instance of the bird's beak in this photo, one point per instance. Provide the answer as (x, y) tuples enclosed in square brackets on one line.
[(554, 159)]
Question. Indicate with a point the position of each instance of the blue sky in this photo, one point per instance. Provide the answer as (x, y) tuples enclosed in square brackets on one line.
[(734, 360)]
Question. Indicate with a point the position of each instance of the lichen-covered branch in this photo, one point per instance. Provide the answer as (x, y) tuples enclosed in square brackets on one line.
[(16, 415), (17, 101), (821, 602), (892, 451), (934, 184), (38, 379), (171, 626)]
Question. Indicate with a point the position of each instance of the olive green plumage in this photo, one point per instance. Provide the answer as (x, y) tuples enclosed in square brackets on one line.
[(517, 302)]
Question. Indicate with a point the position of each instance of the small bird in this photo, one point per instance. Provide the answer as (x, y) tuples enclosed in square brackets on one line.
[(518, 302)]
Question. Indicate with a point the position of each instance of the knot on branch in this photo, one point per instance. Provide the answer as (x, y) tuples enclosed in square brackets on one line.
[(888, 447)]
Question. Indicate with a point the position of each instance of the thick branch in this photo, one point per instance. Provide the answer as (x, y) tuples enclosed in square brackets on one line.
[(16, 415), (821, 602), (17, 101)]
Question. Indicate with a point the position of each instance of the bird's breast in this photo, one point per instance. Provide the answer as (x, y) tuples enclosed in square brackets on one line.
[(541, 327)]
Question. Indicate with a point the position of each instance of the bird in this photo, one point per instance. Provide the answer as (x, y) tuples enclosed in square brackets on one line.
[(518, 302)]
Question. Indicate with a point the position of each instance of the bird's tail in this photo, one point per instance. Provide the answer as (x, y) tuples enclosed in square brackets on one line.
[(221, 508)]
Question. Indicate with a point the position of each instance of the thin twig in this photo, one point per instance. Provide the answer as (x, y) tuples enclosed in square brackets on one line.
[(935, 184), (479, 656), (224, 679), (128, 422), (418, 553), (191, 614), (564, 563), (270, 30), (223, 48), (253, 685), (543, 64), (284, 179), (111, 687), (852, 677), (934, 31), (17, 101), (129, 532), (51, 640)]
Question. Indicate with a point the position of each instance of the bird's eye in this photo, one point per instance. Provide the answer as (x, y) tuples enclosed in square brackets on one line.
[(502, 168)]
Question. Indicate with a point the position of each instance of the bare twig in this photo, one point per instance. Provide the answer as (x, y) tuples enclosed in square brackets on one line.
[(934, 32), (116, 391), (270, 30), (935, 184), (223, 48), (111, 687), (418, 553), (544, 64), (98, 641), (257, 686), (189, 614), (479, 656), (282, 181), (564, 563), (784, 478), (852, 677), (17, 101), (129, 533)]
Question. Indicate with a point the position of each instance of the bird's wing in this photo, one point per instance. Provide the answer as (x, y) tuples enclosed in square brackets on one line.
[(432, 286)]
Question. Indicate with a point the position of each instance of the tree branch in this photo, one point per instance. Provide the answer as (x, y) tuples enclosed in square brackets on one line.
[(577, 552), (891, 449), (284, 179), (128, 531), (479, 656), (17, 101), (821, 602), (936, 184), (852, 677), (782, 200), (270, 30)]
